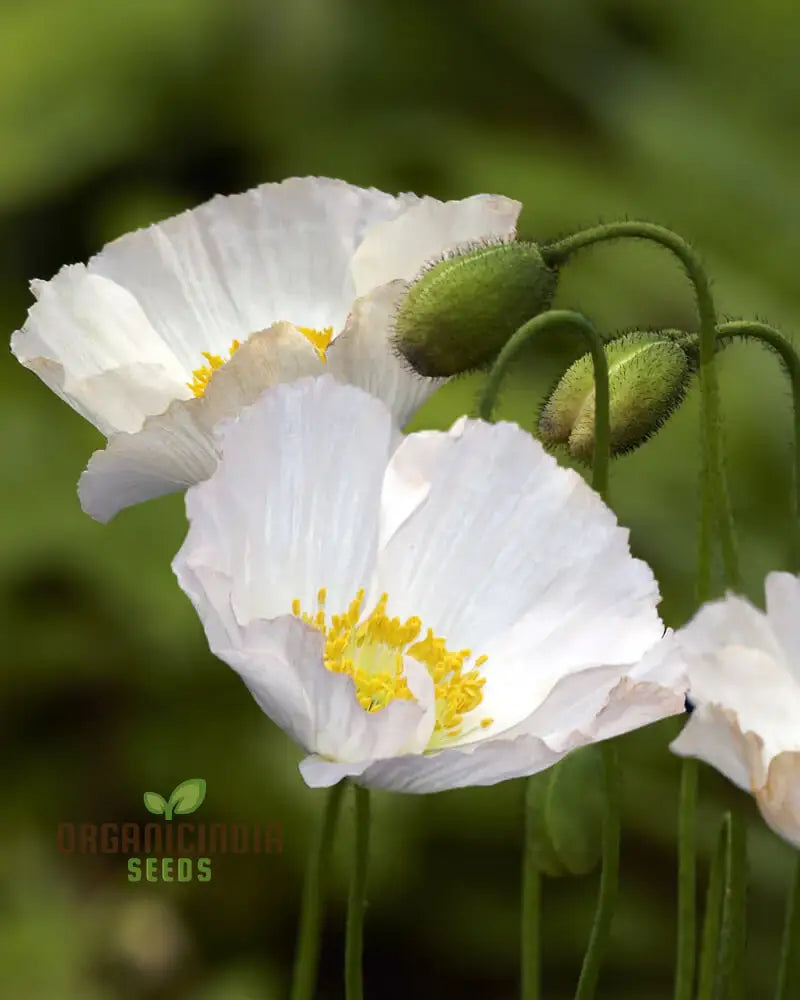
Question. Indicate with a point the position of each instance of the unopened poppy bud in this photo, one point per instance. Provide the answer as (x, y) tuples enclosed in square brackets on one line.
[(565, 808), (460, 311), (648, 376)]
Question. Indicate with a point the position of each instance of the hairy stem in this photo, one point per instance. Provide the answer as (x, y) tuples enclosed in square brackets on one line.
[(554, 319)]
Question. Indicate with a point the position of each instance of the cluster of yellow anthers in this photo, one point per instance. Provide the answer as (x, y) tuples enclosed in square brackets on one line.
[(371, 651), (319, 339), (201, 376)]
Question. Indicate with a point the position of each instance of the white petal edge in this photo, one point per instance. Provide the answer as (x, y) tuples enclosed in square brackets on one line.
[(239, 263), (293, 505), (400, 248), (89, 341), (515, 558), (735, 661), (177, 448), (783, 612), (610, 704), (363, 355)]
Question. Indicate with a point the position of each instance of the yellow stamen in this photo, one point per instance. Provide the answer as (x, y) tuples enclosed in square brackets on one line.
[(202, 376), (319, 340), (371, 649)]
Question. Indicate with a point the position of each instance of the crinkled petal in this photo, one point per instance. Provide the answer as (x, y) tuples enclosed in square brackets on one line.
[(599, 703), (484, 763), (400, 247), (294, 503), (516, 558), (783, 612), (177, 449), (744, 685), (281, 663), (713, 735), (779, 798), (401, 728), (363, 355), (90, 342), (240, 263), (735, 661)]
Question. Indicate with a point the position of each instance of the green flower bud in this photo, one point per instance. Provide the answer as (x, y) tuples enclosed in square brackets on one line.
[(648, 374), (565, 808), (460, 311)]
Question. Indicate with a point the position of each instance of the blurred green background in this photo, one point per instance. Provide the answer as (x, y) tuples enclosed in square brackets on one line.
[(114, 115)]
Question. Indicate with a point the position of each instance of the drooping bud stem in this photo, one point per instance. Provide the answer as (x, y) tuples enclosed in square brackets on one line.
[(559, 318), (715, 503), (649, 374), (460, 311), (772, 338)]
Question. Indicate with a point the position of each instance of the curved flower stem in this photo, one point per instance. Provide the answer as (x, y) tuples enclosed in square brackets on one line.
[(609, 881), (713, 917), (775, 340), (354, 936), (715, 503), (789, 967), (555, 318), (304, 978), (732, 981), (531, 948)]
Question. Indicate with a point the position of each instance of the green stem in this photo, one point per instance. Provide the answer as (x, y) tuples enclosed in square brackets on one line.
[(559, 318), (713, 917), (687, 875), (531, 947), (731, 982), (715, 503), (789, 966), (609, 881), (776, 341), (304, 979), (354, 938)]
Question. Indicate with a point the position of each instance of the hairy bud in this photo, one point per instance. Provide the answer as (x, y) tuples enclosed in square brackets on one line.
[(460, 311), (648, 374), (565, 807)]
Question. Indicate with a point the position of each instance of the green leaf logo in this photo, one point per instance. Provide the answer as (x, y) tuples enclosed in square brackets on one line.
[(155, 803), (186, 797)]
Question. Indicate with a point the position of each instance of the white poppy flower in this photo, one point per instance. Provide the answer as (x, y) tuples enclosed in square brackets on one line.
[(173, 327), (420, 613), (744, 675)]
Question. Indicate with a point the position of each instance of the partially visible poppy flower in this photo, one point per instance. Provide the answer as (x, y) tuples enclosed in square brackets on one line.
[(744, 675), (171, 328)]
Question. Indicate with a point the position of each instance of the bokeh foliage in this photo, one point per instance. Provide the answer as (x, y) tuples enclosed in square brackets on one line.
[(116, 114)]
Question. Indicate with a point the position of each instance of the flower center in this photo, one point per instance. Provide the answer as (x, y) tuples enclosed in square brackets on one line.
[(319, 340), (371, 649)]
